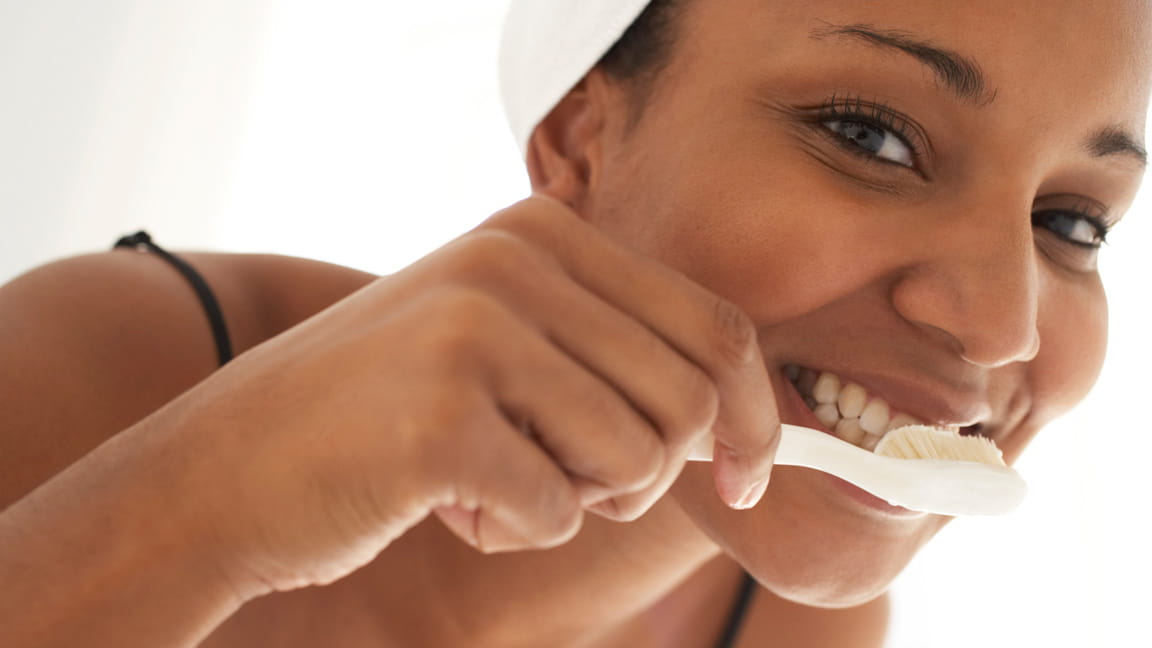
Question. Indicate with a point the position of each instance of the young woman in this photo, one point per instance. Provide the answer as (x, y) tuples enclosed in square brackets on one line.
[(742, 199)]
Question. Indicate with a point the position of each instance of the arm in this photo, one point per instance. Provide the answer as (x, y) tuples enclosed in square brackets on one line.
[(110, 552), (304, 458), (107, 551)]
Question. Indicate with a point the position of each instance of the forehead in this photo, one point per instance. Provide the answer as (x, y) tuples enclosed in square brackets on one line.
[(1077, 58)]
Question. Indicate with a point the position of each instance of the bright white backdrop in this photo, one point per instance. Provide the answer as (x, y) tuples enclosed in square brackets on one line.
[(367, 133)]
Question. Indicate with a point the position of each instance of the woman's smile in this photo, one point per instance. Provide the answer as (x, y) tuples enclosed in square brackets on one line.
[(849, 216), (876, 193), (860, 411), (794, 410)]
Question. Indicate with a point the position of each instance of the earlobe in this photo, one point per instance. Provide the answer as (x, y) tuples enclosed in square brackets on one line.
[(564, 150)]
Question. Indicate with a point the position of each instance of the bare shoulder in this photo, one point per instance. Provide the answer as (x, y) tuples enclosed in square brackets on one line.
[(94, 343), (271, 293)]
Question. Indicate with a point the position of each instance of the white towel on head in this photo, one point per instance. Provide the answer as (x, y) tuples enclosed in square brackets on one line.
[(548, 46)]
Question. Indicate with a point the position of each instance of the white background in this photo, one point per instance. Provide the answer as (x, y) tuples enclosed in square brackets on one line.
[(367, 133)]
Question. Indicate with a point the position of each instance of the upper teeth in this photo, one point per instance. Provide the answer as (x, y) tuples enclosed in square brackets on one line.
[(847, 409)]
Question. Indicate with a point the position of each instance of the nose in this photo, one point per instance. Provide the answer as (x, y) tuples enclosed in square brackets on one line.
[(976, 280)]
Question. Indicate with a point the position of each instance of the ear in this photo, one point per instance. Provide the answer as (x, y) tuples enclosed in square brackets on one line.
[(564, 152)]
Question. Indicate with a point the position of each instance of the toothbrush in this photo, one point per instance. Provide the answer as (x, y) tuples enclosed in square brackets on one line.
[(919, 467)]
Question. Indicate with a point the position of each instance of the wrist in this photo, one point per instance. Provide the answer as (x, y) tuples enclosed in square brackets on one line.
[(107, 553)]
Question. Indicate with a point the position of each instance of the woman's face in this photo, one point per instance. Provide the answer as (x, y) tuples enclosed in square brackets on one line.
[(904, 194)]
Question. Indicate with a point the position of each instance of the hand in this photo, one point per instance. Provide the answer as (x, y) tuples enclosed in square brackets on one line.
[(529, 370)]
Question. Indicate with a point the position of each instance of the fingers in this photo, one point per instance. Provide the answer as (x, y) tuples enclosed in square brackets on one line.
[(747, 428), (508, 494), (712, 333), (669, 391), (595, 436)]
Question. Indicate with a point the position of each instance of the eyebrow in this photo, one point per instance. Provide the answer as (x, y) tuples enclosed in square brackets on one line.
[(960, 74), (1114, 140), (964, 78)]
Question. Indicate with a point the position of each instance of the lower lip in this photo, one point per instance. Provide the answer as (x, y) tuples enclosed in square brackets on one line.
[(797, 410)]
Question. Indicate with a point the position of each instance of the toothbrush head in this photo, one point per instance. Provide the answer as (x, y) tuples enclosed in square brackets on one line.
[(928, 442)]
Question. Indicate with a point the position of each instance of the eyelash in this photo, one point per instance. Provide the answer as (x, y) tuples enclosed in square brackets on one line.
[(857, 110), (880, 116), (1097, 224)]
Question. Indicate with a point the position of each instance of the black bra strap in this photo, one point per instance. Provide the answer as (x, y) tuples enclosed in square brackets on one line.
[(141, 240), (739, 611)]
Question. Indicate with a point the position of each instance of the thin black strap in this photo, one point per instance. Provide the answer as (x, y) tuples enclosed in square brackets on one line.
[(739, 611), (141, 240)]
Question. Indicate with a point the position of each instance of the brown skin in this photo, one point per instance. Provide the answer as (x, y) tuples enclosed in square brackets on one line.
[(933, 288)]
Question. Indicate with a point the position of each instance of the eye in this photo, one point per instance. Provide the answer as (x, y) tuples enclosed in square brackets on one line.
[(873, 131), (1072, 226), (875, 139)]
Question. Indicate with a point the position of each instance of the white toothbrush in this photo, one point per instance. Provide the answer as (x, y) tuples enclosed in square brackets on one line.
[(919, 467)]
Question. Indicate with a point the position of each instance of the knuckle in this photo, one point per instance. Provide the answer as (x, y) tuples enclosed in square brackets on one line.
[(509, 218), (635, 452), (638, 470), (459, 319), (735, 333), (529, 214), (626, 509), (560, 516), (631, 506), (490, 252), (542, 223), (630, 452), (700, 401), (440, 434)]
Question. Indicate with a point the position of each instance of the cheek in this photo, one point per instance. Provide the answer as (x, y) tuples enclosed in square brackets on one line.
[(1073, 339), (1073, 324), (780, 240)]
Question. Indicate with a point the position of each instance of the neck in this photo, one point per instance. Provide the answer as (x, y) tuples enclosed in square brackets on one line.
[(608, 573)]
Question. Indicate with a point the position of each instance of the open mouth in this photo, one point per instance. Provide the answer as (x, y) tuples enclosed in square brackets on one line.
[(845, 408)]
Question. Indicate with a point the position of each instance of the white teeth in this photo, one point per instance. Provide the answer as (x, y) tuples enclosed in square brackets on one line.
[(827, 413), (826, 389), (851, 400), (874, 418), (849, 430), (847, 410), (902, 420)]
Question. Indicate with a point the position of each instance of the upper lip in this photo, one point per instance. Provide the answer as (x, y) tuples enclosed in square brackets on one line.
[(933, 401)]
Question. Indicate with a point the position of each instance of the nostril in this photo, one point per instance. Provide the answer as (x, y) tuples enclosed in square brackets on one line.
[(972, 430)]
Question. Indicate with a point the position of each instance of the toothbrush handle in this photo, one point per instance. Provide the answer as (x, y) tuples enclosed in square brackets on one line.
[(936, 486), (797, 446)]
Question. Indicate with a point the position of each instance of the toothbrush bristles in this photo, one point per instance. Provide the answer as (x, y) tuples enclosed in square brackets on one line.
[(928, 442)]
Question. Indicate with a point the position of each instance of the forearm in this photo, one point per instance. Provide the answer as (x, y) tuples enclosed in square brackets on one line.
[(111, 553)]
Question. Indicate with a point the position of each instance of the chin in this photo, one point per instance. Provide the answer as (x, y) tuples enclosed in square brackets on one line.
[(805, 541), (822, 589)]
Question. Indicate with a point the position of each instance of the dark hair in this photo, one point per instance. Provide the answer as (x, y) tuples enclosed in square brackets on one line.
[(644, 49)]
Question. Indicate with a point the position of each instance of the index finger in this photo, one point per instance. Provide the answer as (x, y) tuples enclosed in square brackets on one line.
[(708, 330)]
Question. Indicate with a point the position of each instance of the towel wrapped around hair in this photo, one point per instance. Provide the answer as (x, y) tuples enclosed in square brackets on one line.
[(548, 46)]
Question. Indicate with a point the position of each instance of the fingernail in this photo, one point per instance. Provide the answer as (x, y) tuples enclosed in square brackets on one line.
[(731, 476), (753, 495)]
